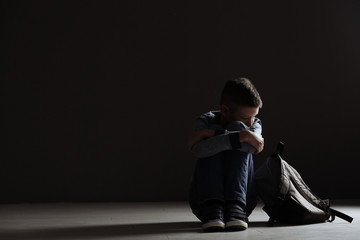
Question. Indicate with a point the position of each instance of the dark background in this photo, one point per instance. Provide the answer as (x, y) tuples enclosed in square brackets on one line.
[(99, 96)]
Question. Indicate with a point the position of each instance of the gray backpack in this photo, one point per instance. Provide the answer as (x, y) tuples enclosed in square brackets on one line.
[(286, 197)]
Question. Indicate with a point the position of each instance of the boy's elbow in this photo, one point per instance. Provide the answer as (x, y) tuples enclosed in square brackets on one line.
[(197, 152)]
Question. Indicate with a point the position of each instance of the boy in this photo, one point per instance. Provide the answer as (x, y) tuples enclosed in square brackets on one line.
[(222, 190)]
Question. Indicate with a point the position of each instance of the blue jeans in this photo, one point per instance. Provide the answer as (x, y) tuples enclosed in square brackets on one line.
[(227, 175)]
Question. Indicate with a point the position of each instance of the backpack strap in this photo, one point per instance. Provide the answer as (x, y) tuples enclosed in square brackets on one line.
[(341, 215)]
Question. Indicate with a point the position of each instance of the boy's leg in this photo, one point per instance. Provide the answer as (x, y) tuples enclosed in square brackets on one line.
[(239, 177), (239, 190), (239, 185), (251, 188), (207, 184)]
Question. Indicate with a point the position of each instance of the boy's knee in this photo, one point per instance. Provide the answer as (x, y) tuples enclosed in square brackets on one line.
[(236, 126)]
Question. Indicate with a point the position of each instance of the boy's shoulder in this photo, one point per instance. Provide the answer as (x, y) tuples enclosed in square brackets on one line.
[(210, 116)]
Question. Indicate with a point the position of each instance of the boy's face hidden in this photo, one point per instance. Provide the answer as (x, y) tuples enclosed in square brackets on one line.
[(244, 114)]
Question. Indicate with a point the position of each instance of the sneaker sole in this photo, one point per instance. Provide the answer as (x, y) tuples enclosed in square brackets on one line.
[(213, 226), (236, 225)]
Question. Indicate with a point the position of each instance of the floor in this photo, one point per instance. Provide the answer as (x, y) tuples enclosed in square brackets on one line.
[(163, 220)]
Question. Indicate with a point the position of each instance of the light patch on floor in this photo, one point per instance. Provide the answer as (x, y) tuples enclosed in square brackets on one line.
[(160, 220)]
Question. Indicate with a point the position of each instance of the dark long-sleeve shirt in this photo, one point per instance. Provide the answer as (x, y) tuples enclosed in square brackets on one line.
[(223, 139)]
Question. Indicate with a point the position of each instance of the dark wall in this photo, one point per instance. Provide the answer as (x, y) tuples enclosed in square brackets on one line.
[(99, 96)]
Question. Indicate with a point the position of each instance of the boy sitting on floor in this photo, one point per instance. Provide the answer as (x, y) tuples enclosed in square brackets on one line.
[(222, 190)]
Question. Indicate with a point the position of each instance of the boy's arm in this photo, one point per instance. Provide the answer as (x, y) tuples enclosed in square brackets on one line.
[(221, 140), (256, 127)]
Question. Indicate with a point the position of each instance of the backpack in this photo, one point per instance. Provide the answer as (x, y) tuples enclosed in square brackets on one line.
[(286, 197)]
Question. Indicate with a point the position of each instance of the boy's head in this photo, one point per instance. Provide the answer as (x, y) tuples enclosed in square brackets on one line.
[(240, 101)]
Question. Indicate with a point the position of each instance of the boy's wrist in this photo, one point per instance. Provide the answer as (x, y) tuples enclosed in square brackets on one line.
[(219, 131)]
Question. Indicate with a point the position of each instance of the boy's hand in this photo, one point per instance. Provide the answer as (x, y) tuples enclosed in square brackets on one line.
[(253, 139), (195, 137)]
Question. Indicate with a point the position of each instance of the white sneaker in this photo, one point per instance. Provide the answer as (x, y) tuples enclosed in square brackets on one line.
[(236, 225), (213, 226)]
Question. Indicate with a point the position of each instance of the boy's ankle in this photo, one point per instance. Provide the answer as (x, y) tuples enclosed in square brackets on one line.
[(213, 215), (213, 209), (235, 216)]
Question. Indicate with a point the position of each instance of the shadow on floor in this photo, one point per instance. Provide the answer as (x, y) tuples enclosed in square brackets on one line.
[(277, 224), (120, 230), (102, 231)]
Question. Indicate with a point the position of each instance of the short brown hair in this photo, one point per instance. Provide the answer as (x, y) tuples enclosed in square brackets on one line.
[(240, 91)]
